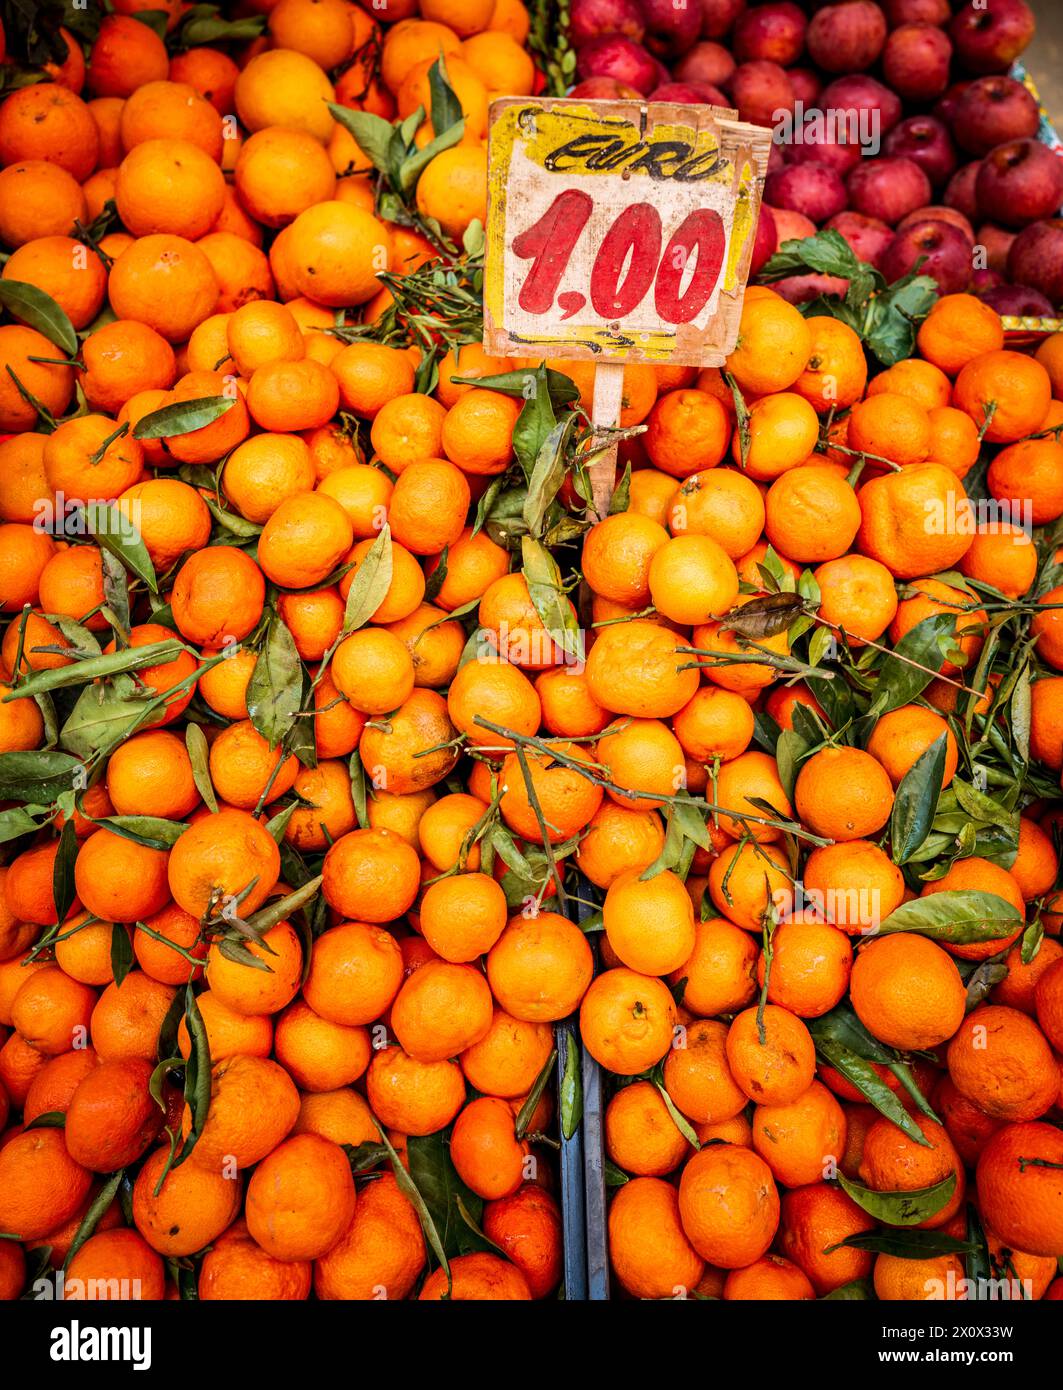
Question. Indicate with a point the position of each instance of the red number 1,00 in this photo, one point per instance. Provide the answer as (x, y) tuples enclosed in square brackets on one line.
[(628, 263)]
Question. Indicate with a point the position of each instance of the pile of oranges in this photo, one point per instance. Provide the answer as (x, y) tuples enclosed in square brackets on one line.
[(344, 755)]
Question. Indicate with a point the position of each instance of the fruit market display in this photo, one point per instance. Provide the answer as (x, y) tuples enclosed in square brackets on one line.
[(900, 124), (353, 768)]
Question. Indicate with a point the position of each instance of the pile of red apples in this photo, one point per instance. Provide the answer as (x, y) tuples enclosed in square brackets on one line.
[(896, 123)]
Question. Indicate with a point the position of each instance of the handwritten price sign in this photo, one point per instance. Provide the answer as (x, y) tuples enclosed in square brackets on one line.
[(619, 231)]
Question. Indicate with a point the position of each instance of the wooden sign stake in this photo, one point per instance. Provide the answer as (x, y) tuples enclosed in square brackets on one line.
[(605, 413)]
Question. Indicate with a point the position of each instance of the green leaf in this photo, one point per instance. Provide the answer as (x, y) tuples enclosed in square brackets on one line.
[(826, 253), (842, 1026), (916, 800), (621, 498), (115, 591), (151, 831), (437, 578), (103, 714), (531, 1101), (446, 108), (901, 1208), (789, 751), (183, 418), (117, 534), (571, 1089), (903, 1243), (856, 1291), (899, 681), (359, 794), (235, 525), (212, 30), (977, 1263), (487, 501), (562, 389), (15, 822), (63, 889), (1021, 713), (121, 953), (685, 1128), (371, 582), (199, 757), (432, 1184), (552, 605), (411, 168), (51, 1119), (275, 690), (984, 808), (893, 318), (692, 823), (505, 519), (373, 133), (197, 1074), (1031, 940), (547, 475), (37, 777), (156, 21), (959, 917), (109, 664), (93, 1216), (36, 309), (365, 1156), (861, 1074), (614, 1176), (278, 824), (280, 909), (535, 422)]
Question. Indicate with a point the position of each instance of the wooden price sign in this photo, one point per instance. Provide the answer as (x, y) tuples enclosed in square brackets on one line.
[(619, 231)]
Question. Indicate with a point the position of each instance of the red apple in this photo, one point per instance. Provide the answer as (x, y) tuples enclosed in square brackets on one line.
[(1036, 259), (690, 94), (591, 18), (926, 142), (983, 280), (791, 226), (812, 189), (1020, 182), (802, 289), (765, 242), (848, 37), (990, 34), (997, 242), (946, 106), (960, 193), (868, 236), (775, 32), (776, 162), (936, 213), (993, 110), (613, 55), (806, 84), (761, 91), (861, 99), (671, 27), (900, 12), (946, 251), (840, 157), (605, 89), (718, 16), (1018, 302), (706, 62), (888, 188), (915, 62)]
